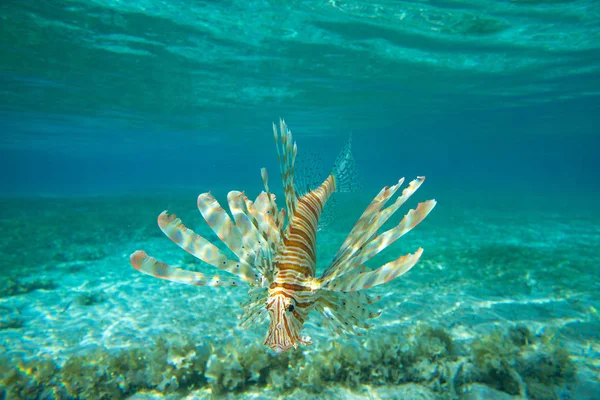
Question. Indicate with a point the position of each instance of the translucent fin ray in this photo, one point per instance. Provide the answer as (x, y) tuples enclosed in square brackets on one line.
[(254, 309), (309, 173), (345, 170), (385, 273), (343, 313)]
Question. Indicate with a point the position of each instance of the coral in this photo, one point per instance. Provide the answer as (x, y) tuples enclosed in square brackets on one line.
[(168, 368), (520, 335), (425, 356), (494, 350), (231, 370), (430, 360), (341, 362), (27, 379), (432, 343), (555, 368), (422, 360), (179, 365), (545, 371), (517, 363), (88, 376), (495, 355)]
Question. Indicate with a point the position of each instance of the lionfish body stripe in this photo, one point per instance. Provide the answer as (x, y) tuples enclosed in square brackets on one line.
[(276, 254)]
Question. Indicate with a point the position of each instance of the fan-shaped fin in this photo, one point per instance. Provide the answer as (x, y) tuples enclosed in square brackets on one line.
[(343, 313), (202, 249)]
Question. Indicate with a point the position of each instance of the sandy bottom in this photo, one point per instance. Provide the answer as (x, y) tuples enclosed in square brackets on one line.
[(68, 290)]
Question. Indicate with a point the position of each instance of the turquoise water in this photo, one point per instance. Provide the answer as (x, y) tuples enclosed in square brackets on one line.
[(113, 111)]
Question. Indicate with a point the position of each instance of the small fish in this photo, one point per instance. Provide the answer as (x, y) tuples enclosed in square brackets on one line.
[(275, 250)]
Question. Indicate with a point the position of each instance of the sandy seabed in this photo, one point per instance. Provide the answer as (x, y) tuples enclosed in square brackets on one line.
[(503, 304)]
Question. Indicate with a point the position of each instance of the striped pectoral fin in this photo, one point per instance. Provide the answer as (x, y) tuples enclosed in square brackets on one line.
[(278, 216), (370, 214), (220, 222), (386, 213), (262, 212), (245, 222), (413, 218), (365, 230), (362, 231), (383, 274), (345, 271), (261, 241), (151, 266), (202, 249)]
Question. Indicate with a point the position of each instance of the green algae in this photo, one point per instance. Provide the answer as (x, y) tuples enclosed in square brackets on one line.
[(28, 380), (15, 287), (518, 363), (514, 361), (11, 323)]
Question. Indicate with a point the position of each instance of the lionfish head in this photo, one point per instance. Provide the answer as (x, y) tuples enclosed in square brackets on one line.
[(285, 324)]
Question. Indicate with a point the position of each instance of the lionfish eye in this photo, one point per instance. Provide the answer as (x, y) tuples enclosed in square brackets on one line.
[(290, 308)]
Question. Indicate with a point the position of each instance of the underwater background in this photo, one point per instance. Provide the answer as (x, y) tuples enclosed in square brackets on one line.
[(113, 111)]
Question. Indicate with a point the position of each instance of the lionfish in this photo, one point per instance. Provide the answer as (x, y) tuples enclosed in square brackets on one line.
[(275, 250)]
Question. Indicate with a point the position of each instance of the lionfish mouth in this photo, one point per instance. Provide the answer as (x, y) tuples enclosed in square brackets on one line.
[(279, 341), (279, 349)]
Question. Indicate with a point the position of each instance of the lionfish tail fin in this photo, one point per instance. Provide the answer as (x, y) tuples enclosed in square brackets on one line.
[(346, 313), (151, 266), (345, 170)]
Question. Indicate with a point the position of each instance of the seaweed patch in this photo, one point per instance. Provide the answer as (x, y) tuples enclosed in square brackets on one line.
[(423, 359)]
